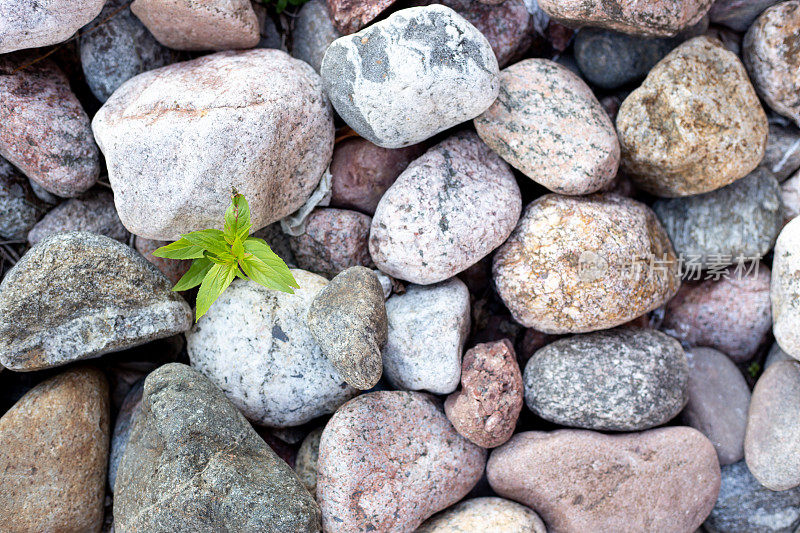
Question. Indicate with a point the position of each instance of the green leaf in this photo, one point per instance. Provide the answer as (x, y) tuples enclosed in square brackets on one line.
[(266, 275), (260, 249), (195, 275), (212, 240), (237, 219), (214, 283), (237, 249), (180, 249)]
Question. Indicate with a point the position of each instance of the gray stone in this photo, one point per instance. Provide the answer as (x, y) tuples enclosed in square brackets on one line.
[(450, 208), (408, 77), (485, 515), (116, 46), (745, 506), (742, 219), (428, 326), (782, 156), (790, 196), (306, 463), (208, 125), (626, 379), (19, 206), (131, 407), (313, 33), (38, 23), (785, 289), (776, 355), (348, 320), (193, 463), (254, 344), (93, 212), (738, 14), (78, 295), (718, 401)]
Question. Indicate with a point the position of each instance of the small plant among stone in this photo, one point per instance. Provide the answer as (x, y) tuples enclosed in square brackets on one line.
[(221, 256)]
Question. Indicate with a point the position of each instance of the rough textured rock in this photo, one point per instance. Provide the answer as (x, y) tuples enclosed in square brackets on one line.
[(334, 240), (718, 402), (694, 125), (130, 409), (313, 32), (731, 314), (94, 212), (487, 407), (447, 210), (578, 264), (738, 14), (790, 197), (771, 51), (626, 379), (207, 25), (307, 459), (533, 126), (660, 480), (352, 15), (194, 463), (772, 440), (660, 18), (53, 452), (361, 172), (348, 320), (742, 219), (173, 269), (487, 515), (77, 295), (19, 206), (61, 157), (34, 24), (782, 156), (389, 460), (408, 77), (428, 326), (785, 289), (744, 506), (211, 124), (254, 344), (117, 47)]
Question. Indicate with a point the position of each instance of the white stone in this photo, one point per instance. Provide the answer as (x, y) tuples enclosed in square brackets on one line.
[(785, 290), (37, 23)]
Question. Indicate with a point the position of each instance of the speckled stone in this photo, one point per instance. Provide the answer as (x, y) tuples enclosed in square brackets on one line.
[(211, 124), (389, 460), (408, 77), (334, 240), (53, 453), (731, 314), (352, 15), (659, 18), (533, 122), (772, 440), (744, 506), (93, 212), (487, 407), (447, 210), (206, 25), (361, 172), (718, 402), (569, 265), (307, 458), (659, 480), (61, 157), (254, 344), (19, 206), (626, 379), (117, 47), (771, 51), (193, 463), (428, 326), (313, 32), (782, 157), (173, 269), (130, 409), (790, 197), (694, 125), (348, 320), (34, 24), (785, 289), (485, 515), (78, 295)]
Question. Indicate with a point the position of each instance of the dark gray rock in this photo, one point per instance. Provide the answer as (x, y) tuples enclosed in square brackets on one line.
[(116, 46), (130, 409), (738, 14), (624, 379), (193, 463), (744, 506), (19, 206), (313, 33), (718, 401), (741, 219), (77, 295), (348, 320), (94, 212), (776, 355), (782, 156)]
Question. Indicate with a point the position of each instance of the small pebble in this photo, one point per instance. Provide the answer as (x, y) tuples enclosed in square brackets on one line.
[(93, 212), (313, 33), (19, 206), (307, 461), (485, 515), (349, 16)]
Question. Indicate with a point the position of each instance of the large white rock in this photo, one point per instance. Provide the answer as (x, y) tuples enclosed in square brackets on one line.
[(254, 345), (785, 290), (36, 23), (178, 138), (404, 79)]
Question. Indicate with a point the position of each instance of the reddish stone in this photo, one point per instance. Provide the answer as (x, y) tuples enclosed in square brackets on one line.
[(173, 269), (349, 16)]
